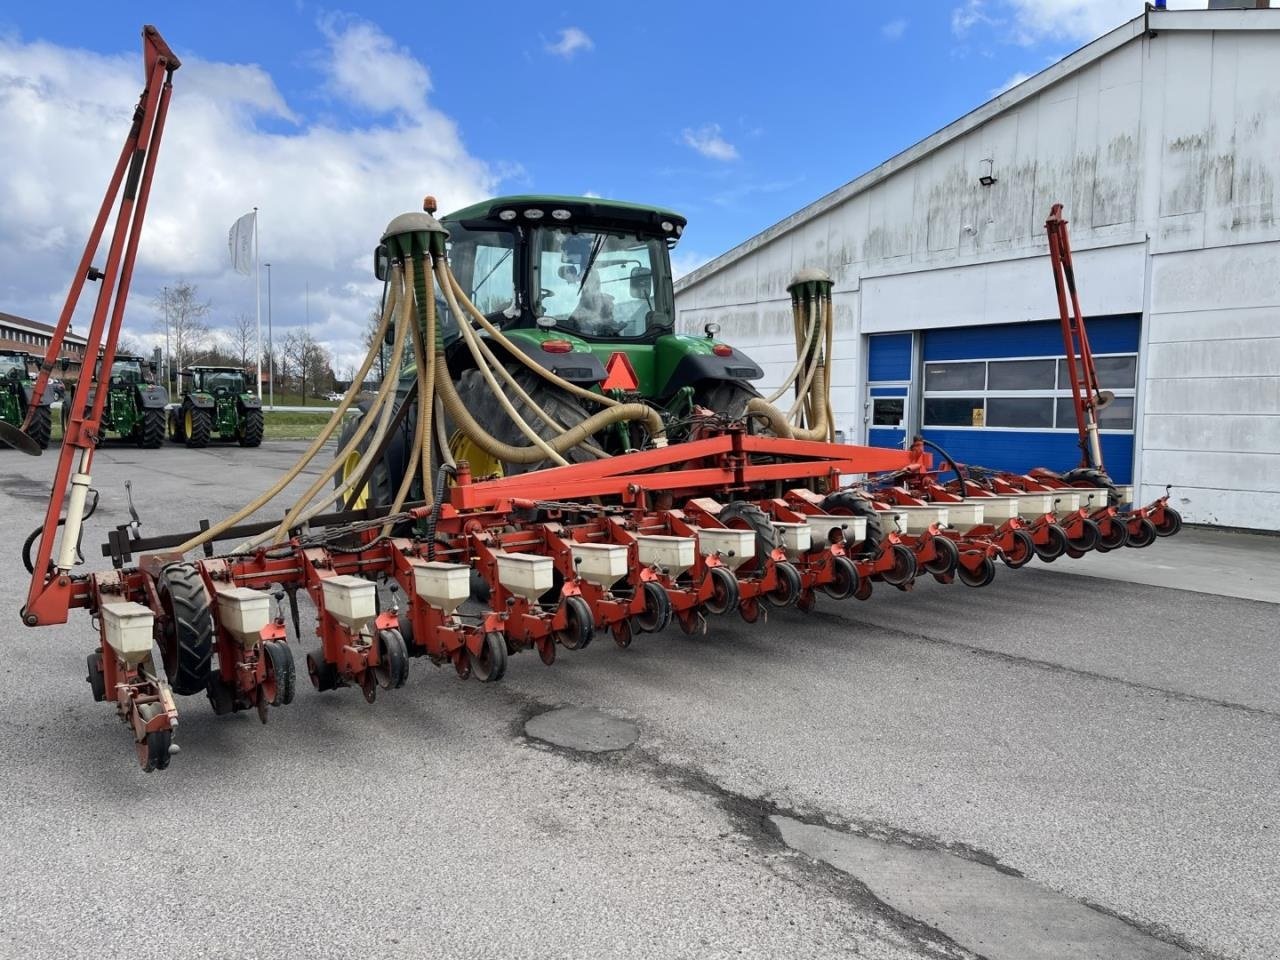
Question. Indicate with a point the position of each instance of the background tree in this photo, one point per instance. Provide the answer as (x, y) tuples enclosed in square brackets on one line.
[(305, 362), (184, 312), (242, 339)]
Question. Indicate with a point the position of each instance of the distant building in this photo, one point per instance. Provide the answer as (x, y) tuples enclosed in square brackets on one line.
[(1162, 139), (19, 333)]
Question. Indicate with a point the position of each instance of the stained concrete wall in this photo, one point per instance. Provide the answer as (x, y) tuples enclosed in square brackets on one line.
[(1165, 151)]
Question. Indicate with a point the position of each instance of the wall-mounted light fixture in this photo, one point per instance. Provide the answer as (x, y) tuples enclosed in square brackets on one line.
[(987, 177)]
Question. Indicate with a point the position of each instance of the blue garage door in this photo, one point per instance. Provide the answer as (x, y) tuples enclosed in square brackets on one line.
[(999, 396), (888, 388)]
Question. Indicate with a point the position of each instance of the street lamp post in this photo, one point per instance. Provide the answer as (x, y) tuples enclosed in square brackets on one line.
[(271, 352)]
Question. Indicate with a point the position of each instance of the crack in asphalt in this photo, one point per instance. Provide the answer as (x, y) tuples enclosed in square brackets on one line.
[(1047, 665)]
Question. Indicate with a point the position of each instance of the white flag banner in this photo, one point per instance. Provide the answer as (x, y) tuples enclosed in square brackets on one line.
[(240, 242)]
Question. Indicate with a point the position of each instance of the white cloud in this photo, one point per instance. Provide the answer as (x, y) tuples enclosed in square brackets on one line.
[(708, 142), (1031, 21), (1012, 82), (894, 29), (325, 191), (686, 261), (572, 40)]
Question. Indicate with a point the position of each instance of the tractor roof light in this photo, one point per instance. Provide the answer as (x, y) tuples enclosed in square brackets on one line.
[(668, 226), (560, 214), (533, 214), (557, 346), (711, 329), (507, 215)]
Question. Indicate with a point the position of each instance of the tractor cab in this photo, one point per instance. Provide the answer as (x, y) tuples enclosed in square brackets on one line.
[(216, 381), (128, 371), (15, 365)]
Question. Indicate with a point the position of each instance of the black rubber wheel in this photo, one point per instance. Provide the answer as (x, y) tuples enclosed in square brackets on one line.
[(904, 566), (1055, 546), (948, 555), (849, 504), (281, 673), (159, 742), (657, 609), (579, 630), (1116, 538), (324, 675), (985, 573), (201, 426), (1170, 524), (1088, 539), (1095, 478), (724, 591), (1145, 536), (177, 427), (251, 429), (97, 682), (152, 433), (185, 632), (787, 592), (747, 516), (490, 664), (1020, 554), (845, 579), (221, 696), (393, 660), (40, 429)]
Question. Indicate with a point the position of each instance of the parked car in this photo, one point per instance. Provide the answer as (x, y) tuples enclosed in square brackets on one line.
[(333, 396)]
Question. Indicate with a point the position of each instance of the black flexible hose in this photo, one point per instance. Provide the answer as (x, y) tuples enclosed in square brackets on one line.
[(950, 462), (446, 470), (35, 535)]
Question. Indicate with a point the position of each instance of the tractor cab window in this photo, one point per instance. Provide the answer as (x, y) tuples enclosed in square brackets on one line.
[(13, 367), (600, 283), (485, 265), (228, 381), (127, 371)]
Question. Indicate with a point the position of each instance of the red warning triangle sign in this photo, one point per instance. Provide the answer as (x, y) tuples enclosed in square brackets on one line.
[(619, 374)]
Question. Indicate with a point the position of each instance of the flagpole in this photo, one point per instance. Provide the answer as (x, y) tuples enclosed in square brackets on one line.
[(257, 290)]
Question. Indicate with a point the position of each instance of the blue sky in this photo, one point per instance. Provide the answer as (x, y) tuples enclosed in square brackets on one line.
[(736, 114)]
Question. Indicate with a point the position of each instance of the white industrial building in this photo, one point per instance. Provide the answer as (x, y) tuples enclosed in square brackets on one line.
[(1162, 140)]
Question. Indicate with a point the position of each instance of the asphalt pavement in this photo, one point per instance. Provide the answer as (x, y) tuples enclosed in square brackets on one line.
[(1111, 743)]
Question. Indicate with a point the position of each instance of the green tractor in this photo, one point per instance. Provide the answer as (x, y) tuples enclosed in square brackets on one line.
[(216, 404), (135, 405), (17, 383), (583, 286)]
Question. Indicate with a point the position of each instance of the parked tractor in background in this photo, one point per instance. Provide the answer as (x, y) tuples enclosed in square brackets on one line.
[(583, 287), (217, 404), (135, 406), (16, 388)]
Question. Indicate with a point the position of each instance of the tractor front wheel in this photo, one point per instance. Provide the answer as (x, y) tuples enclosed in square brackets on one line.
[(197, 426), (40, 429), (152, 434), (251, 429)]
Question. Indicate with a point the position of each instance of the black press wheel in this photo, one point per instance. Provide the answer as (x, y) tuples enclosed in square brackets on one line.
[(948, 555), (282, 675), (153, 752), (579, 628), (1021, 552), (1055, 544), (904, 566), (845, 579), (393, 660), (97, 682), (252, 427), (185, 632), (983, 575), (1116, 536), (324, 675), (787, 592), (490, 664), (724, 591), (1088, 538), (1169, 524), (657, 609), (1145, 535)]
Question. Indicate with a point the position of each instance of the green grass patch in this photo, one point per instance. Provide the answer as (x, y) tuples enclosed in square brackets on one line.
[(294, 426)]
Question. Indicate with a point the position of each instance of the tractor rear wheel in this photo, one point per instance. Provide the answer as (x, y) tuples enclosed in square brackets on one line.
[(197, 426), (177, 429), (152, 434), (185, 633), (251, 429), (40, 429), (846, 503)]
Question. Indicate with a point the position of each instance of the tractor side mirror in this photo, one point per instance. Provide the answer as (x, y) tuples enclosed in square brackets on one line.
[(381, 263), (641, 283), (64, 363)]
